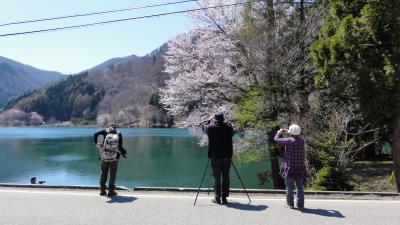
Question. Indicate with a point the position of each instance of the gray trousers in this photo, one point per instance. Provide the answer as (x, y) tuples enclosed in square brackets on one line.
[(105, 167), (221, 167)]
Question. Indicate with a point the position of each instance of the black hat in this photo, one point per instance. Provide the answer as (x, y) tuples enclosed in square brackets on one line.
[(219, 116)]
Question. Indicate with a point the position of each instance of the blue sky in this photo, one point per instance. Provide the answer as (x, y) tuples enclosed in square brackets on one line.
[(72, 51)]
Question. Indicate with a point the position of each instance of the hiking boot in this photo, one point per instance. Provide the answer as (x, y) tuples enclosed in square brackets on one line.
[(103, 192), (288, 206), (224, 201), (112, 192), (216, 200)]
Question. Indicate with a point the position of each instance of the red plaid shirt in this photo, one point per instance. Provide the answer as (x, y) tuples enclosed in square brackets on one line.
[(293, 156)]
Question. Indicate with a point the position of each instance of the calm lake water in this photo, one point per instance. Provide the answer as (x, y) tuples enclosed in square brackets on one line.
[(156, 157)]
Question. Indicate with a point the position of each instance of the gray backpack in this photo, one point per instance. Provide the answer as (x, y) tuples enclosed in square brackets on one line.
[(110, 149)]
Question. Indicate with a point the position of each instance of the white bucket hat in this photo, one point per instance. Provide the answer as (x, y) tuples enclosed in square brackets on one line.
[(294, 129)]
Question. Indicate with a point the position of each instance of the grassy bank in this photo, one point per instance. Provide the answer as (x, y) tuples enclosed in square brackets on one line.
[(372, 176)]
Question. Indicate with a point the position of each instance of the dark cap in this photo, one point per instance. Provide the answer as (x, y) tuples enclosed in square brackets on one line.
[(219, 116)]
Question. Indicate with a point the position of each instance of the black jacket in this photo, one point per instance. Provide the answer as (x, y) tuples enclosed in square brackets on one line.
[(120, 141), (219, 140)]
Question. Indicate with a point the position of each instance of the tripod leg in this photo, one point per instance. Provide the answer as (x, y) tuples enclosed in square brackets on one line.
[(240, 179), (204, 173)]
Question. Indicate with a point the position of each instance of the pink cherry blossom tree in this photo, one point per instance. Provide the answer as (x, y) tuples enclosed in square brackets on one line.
[(203, 66)]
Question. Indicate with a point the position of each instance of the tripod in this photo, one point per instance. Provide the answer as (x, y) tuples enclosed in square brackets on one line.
[(204, 173)]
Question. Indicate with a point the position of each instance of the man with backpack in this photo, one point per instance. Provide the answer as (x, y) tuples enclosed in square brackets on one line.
[(220, 151), (110, 149)]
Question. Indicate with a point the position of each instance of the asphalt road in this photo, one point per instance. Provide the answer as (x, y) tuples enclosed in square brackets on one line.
[(31, 207)]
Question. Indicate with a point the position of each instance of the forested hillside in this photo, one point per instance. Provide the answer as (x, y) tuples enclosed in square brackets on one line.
[(17, 78), (70, 98), (129, 84), (123, 90)]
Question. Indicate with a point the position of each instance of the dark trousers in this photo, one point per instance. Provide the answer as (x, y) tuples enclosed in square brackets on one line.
[(105, 167), (221, 167)]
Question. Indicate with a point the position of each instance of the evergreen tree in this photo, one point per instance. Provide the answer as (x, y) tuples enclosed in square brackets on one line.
[(359, 50)]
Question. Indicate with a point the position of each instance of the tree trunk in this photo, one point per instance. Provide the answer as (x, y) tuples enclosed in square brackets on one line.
[(272, 147), (396, 125), (274, 159), (396, 149), (302, 85)]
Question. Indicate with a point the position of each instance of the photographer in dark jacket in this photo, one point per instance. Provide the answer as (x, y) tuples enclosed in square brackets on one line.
[(111, 162), (220, 151)]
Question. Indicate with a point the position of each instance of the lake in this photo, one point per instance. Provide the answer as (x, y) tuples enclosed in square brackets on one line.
[(67, 156)]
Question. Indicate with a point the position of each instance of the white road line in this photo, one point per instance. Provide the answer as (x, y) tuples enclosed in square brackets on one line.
[(244, 197)]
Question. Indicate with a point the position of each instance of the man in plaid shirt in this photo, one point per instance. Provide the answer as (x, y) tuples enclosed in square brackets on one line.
[(294, 168)]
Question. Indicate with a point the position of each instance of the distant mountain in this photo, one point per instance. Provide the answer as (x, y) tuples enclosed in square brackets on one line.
[(17, 79), (124, 90), (129, 84)]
